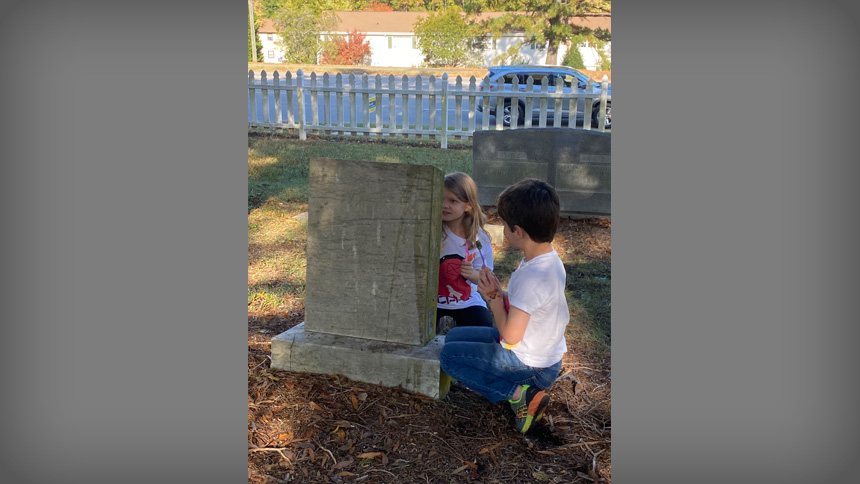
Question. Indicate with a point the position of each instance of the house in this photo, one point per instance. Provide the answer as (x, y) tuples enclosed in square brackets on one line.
[(394, 44)]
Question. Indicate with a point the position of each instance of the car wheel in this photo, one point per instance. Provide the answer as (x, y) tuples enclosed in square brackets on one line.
[(506, 114), (596, 111)]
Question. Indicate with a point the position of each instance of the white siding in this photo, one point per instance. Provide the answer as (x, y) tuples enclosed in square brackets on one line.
[(402, 54)]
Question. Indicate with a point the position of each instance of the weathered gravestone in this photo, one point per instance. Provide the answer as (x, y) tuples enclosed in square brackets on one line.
[(374, 233), (575, 162)]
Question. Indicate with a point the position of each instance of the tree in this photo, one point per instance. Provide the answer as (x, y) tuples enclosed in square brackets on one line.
[(446, 39), (378, 7), (548, 23), (256, 39), (351, 51), (299, 31)]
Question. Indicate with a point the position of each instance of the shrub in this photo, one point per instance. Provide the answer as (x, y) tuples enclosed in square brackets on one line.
[(573, 58), (353, 50)]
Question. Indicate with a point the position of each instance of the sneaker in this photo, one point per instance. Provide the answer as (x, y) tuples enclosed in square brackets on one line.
[(445, 324), (529, 408)]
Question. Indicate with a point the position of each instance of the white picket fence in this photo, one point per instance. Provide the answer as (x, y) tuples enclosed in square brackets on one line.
[(326, 119)]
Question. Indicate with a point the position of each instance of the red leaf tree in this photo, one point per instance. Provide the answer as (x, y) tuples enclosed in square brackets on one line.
[(378, 7), (349, 51)]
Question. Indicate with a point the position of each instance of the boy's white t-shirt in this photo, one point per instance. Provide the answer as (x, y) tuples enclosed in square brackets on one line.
[(454, 291), (537, 287)]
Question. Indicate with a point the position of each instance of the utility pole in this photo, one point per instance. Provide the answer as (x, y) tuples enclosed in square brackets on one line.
[(252, 30)]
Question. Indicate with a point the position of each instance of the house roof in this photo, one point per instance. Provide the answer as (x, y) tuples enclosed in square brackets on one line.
[(403, 22)]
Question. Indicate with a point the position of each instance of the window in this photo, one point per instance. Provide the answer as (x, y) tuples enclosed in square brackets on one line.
[(271, 54), (269, 36)]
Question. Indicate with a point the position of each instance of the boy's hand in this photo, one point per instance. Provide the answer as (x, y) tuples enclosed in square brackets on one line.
[(488, 284)]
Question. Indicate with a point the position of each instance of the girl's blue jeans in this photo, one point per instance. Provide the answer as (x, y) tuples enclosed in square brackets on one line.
[(473, 356)]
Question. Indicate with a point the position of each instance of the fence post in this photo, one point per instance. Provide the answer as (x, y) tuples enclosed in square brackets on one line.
[(300, 76), (444, 111), (252, 98), (601, 123), (264, 92)]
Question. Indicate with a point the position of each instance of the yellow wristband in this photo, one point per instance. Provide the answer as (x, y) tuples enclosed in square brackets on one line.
[(507, 345)]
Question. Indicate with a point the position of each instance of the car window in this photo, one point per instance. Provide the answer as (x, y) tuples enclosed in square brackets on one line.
[(538, 78)]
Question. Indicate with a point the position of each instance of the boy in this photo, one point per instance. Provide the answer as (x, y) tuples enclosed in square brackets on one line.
[(521, 357)]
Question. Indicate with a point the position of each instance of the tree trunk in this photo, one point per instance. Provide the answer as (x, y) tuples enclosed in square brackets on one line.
[(552, 54)]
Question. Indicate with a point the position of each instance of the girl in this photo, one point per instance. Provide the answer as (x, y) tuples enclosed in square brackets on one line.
[(466, 249)]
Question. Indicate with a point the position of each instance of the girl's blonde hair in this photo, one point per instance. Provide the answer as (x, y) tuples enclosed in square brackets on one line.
[(464, 188)]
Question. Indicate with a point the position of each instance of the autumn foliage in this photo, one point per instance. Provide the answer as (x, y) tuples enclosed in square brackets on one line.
[(378, 7), (352, 50)]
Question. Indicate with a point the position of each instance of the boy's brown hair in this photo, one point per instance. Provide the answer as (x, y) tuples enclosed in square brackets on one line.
[(533, 205)]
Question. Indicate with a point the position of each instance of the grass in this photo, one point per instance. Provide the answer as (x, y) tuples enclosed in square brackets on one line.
[(278, 166)]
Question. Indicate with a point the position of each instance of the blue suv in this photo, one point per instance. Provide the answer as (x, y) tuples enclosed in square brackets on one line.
[(572, 79)]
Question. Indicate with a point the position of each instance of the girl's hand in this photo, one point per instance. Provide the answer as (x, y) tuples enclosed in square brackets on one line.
[(488, 284), (467, 270)]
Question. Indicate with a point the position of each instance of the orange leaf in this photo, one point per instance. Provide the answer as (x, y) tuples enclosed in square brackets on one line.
[(546, 452), (354, 401), (316, 407), (285, 436), (369, 455), (345, 474)]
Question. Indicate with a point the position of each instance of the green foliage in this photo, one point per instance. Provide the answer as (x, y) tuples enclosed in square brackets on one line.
[(549, 23), (271, 8), (573, 58), (511, 57), (447, 40), (299, 33)]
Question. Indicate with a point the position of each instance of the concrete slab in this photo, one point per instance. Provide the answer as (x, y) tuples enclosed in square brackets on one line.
[(415, 368)]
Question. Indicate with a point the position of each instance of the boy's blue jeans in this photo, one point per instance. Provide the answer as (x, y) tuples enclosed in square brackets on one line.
[(473, 356)]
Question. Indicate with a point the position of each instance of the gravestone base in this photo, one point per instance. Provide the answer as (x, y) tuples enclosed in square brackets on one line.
[(414, 368)]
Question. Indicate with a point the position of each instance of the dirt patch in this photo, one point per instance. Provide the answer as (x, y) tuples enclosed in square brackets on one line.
[(324, 428)]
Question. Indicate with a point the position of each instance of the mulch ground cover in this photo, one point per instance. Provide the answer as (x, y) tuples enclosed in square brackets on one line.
[(327, 428)]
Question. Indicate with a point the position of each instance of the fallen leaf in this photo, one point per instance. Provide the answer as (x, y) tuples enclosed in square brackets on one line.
[(354, 401), (342, 464), (285, 436), (460, 469), (583, 475), (546, 452), (345, 474), (541, 476), (369, 455), (471, 464), (316, 407), (490, 448), (362, 396)]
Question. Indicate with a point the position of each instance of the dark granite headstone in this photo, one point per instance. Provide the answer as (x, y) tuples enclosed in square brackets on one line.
[(574, 161)]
